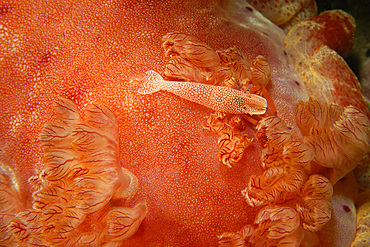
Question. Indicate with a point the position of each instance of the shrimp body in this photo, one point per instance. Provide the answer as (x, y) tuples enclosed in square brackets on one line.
[(218, 98)]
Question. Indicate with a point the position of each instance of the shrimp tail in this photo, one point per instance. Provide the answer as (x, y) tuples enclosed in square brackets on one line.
[(152, 82)]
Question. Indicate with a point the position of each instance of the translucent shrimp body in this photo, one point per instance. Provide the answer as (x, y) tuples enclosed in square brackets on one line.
[(218, 98)]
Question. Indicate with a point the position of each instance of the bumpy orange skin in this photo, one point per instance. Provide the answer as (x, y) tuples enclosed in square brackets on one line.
[(88, 51)]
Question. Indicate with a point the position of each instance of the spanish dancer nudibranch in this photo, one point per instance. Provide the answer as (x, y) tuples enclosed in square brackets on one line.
[(139, 170)]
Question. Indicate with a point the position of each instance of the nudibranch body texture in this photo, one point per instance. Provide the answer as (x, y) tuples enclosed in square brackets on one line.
[(218, 98), (88, 51)]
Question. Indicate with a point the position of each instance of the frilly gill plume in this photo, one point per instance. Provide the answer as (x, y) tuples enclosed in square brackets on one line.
[(81, 174), (335, 138)]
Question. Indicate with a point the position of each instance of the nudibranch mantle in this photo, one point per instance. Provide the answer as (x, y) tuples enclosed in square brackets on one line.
[(218, 98)]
